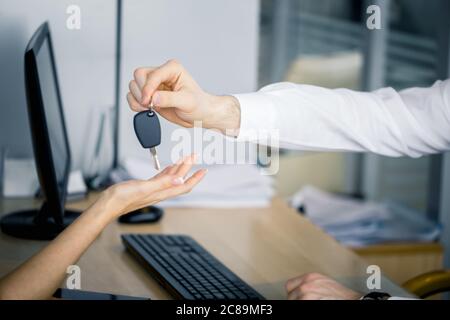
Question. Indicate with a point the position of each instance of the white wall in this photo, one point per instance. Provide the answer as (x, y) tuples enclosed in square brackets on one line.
[(216, 40), (85, 61)]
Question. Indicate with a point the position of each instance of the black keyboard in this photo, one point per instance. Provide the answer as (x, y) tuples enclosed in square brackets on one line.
[(186, 269)]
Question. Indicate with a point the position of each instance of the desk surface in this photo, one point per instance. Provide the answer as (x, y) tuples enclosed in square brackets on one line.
[(265, 247)]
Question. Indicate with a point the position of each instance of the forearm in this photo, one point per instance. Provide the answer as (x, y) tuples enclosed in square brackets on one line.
[(308, 118), (409, 123), (40, 276)]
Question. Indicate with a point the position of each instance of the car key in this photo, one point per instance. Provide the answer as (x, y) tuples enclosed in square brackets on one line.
[(148, 132)]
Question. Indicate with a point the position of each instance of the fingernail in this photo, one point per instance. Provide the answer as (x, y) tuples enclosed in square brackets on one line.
[(155, 99), (144, 98), (178, 181)]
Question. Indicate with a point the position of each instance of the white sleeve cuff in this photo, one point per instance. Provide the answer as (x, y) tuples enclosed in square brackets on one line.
[(258, 114), (402, 298)]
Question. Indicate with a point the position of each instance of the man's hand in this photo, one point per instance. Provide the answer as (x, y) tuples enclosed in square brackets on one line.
[(175, 95), (314, 286)]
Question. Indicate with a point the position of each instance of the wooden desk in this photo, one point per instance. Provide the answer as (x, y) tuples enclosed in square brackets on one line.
[(265, 247)]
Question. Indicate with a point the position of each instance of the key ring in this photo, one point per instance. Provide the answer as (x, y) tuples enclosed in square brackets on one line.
[(151, 113)]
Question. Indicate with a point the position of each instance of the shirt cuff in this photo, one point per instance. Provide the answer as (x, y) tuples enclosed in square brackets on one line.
[(258, 115), (402, 298)]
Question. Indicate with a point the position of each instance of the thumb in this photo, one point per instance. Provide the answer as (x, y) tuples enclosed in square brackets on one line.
[(184, 101)]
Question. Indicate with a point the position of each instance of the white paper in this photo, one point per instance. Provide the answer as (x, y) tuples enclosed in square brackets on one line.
[(76, 183), (21, 181), (359, 223), (20, 178)]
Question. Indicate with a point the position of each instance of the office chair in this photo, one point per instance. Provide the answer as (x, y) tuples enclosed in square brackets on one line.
[(429, 284)]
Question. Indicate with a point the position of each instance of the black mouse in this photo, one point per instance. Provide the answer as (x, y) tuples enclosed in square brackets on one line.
[(145, 215)]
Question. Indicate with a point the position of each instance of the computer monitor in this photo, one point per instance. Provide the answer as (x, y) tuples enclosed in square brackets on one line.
[(50, 144)]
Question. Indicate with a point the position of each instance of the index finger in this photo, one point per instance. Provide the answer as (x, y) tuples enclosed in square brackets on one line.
[(140, 75), (168, 73)]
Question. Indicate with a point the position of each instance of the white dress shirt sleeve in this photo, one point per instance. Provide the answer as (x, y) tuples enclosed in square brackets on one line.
[(412, 122)]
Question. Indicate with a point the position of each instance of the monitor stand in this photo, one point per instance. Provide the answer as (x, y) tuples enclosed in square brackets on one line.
[(35, 224)]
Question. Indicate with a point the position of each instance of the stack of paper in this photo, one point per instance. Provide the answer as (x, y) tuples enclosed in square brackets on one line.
[(21, 181), (20, 178), (225, 186), (358, 223)]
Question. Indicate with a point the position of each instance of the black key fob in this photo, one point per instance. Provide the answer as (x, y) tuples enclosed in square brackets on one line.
[(147, 129)]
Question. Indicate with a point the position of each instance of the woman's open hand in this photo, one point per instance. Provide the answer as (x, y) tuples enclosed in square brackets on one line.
[(40, 276), (132, 195)]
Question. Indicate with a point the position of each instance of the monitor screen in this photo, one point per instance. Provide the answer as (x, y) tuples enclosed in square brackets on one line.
[(53, 115), (50, 145)]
